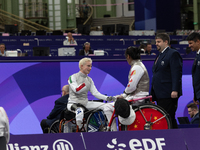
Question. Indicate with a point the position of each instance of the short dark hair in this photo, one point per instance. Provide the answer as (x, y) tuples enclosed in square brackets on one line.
[(133, 52), (148, 44), (194, 36), (192, 106), (2, 44), (142, 46), (164, 37)]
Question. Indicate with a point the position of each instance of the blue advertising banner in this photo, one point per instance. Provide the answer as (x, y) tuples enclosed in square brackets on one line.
[(176, 139), (136, 140), (191, 137), (70, 141)]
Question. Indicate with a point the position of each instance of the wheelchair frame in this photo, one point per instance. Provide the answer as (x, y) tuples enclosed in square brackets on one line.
[(148, 117), (141, 122), (88, 123)]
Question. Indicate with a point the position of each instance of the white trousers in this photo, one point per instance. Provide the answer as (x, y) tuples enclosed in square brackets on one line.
[(107, 108)]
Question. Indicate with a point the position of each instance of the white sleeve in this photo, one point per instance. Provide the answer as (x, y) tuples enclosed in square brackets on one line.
[(136, 73), (75, 43), (96, 93), (5, 122), (74, 86), (65, 42)]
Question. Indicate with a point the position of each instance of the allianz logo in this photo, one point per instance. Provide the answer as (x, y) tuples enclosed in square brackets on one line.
[(60, 144)]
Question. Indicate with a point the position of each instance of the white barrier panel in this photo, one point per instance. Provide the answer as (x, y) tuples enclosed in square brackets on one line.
[(142, 33), (96, 33)]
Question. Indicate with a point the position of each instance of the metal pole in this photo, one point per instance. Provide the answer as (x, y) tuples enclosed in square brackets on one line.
[(122, 9)]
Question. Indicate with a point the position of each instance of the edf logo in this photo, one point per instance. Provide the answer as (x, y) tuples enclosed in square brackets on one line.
[(62, 145)]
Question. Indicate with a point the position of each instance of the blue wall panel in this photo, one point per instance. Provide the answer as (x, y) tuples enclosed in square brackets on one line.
[(29, 89)]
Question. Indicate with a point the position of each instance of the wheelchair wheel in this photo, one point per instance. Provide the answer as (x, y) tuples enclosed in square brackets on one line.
[(149, 117), (54, 128), (96, 121)]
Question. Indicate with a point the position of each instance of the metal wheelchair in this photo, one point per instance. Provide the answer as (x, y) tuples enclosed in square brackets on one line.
[(93, 121), (148, 117)]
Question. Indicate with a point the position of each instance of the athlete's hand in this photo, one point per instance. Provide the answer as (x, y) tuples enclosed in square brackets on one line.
[(110, 98), (119, 96)]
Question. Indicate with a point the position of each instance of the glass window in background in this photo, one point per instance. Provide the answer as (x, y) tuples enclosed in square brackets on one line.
[(131, 6)]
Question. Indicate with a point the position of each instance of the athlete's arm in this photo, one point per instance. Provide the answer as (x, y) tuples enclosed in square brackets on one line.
[(74, 86), (96, 93), (136, 73)]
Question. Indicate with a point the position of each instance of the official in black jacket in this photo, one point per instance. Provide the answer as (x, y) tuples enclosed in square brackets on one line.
[(194, 44), (167, 77), (86, 50), (60, 105)]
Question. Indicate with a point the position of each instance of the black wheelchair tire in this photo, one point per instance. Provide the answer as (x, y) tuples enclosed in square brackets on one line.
[(54, 128)]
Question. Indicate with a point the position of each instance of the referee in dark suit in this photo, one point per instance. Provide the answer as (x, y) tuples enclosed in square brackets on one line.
[(194, 44), (167, 77)]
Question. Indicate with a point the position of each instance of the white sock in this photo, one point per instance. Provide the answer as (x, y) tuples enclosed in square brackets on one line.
[(79, 123), (79, 117)]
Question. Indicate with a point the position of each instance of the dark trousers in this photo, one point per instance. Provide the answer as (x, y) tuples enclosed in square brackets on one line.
[(170, 106), (44, 126), (2, 143)]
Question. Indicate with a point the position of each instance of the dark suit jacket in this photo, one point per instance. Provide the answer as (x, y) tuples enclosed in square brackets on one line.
[(60, 105), (196, 77), (147, 53), (167, 74), (81, 52), (195, 119)]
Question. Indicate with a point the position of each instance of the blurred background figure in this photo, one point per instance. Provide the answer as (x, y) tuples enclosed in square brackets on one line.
[(69, 40), (193, 111), (86, 50), (85, 10), (142, 48), (148, 49), (2, 49)]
